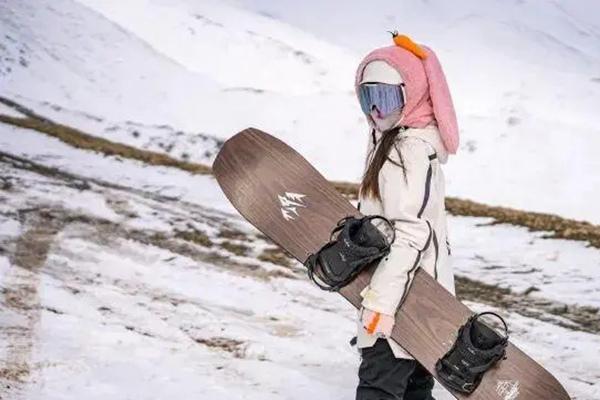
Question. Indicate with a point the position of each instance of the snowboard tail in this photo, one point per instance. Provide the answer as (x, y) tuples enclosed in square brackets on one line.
[(286, 198)]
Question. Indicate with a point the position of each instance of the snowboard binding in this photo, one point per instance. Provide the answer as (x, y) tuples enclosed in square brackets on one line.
[(358, 243), (477, 348)]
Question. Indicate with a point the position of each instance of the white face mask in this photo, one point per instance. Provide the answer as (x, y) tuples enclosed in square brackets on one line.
[(387, 123)]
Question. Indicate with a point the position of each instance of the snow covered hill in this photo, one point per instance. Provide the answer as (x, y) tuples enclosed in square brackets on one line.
[(524, 74), (150, 82)]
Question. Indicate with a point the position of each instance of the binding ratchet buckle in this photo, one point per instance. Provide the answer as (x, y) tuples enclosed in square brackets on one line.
[(476, 350), (358, 243)]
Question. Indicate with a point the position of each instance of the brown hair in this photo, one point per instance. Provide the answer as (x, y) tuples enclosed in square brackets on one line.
[(369, 186)]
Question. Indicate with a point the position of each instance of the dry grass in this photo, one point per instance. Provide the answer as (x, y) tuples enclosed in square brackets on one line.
[(347, 189), (557, 226), (76, 138), (15, 373), (574, 317), (235, 248), (275, 255), (196, 237), (233, 346), (230, 233)]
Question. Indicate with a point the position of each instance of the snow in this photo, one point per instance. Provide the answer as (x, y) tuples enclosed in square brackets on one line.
[(163, 181), (5, 110), (214, 68), (505, 255), (511, 257), (151, 309), (304, 64)]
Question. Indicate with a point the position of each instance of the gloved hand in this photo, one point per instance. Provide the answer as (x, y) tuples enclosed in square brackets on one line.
[(377, 323)]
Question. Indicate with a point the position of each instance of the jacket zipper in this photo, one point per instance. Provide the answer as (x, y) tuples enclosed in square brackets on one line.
[(424, 204)]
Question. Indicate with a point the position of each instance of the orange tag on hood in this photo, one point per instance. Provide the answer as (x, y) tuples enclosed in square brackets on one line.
[(406, 43)]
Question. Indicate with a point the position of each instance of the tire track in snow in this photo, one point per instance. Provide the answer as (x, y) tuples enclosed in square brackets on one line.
[(20, 296)]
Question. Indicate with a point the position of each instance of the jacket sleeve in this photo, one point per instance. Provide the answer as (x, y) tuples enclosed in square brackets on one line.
[(403, 194)]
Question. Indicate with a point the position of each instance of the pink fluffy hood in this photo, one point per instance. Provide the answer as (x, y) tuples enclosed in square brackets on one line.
[(428, 99)]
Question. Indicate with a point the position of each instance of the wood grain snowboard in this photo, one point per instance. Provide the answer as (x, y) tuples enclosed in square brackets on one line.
[(287, 199)]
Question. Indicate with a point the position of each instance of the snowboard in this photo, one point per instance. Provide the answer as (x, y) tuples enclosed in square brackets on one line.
[(287, 199)]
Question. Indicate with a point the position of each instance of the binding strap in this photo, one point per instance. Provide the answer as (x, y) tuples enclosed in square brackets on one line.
[(477, 348), (357, 243)]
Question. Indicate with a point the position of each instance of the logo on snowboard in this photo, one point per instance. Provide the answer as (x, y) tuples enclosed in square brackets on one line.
[(289, 204), (508, 390)]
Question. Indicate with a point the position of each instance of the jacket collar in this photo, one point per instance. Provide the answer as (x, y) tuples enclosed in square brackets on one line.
[(431, 135)]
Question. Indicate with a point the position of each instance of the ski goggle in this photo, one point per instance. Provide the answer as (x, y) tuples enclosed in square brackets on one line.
[(385, 97)]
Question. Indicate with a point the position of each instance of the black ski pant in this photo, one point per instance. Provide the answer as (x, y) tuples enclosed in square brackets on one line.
[(385, 377)]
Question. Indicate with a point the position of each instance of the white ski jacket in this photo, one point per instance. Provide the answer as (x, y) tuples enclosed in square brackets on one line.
[(416, 202)]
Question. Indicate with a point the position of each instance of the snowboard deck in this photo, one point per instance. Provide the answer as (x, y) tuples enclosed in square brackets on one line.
[(286, 198)]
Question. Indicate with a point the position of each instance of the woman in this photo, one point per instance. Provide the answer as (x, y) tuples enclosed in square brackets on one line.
[(404, 95)]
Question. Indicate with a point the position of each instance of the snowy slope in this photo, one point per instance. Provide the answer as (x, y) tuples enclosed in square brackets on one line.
[(236, 48), (136, 82), (63, 53), (502, 255), (545, 53), (524, 74), (96, 243)]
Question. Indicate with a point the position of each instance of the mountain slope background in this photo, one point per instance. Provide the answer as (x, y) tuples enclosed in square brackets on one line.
[(524, 76), (123, 279)]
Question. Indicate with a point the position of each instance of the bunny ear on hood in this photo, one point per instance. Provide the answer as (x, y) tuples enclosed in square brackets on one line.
[(443, 108), (428, 96)]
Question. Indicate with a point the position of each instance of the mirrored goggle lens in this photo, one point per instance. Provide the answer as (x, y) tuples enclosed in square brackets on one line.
[(385, 97)]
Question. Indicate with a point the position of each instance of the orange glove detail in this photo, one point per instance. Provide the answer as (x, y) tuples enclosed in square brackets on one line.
[(377, 323), (373, 324)]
